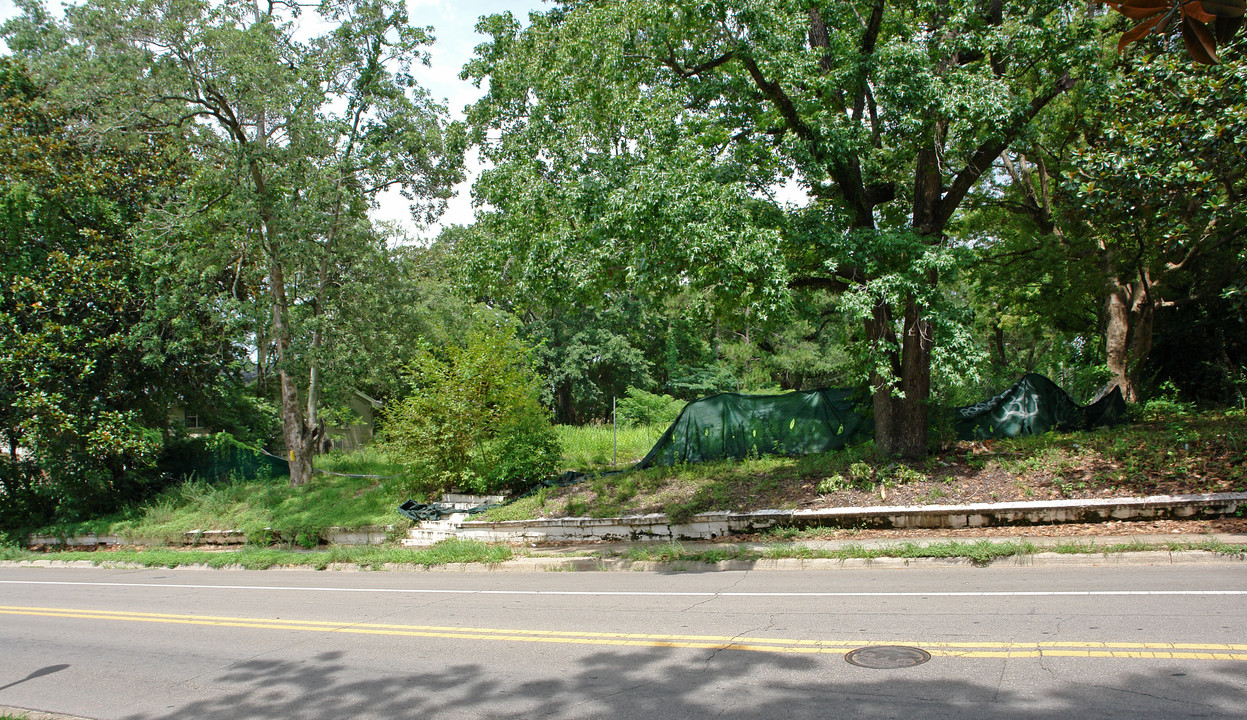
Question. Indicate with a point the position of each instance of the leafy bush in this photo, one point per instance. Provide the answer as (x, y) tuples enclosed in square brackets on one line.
[(526, 450), (647, 408), (1166, 404), (473, 419)]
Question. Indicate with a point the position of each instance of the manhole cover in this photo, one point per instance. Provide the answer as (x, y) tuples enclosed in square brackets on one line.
[(887, 657)]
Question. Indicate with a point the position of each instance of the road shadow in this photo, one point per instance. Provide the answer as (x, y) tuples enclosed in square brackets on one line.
[(41, 672), (669, 683)]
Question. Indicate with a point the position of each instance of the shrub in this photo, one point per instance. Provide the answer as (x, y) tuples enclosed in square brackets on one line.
[(526, 451), (473, 419)]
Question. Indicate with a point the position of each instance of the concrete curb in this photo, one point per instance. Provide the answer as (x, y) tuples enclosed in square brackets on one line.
[(1160, 555), (35, 714), (715, 525)]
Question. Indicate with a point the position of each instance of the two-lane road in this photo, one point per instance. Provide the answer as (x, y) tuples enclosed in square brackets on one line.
[(1032, 642)]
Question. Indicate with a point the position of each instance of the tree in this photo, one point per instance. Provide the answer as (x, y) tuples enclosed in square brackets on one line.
[(292, 140), (1125, 206), (1159, 188), (89, 361), (642, 142)]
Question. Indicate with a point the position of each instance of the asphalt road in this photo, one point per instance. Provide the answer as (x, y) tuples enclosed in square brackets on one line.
[(1038, 642)]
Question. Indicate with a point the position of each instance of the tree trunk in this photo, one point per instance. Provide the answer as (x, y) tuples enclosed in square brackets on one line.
[(901, 422), (300, 440), (1130, 314), (915, 382)]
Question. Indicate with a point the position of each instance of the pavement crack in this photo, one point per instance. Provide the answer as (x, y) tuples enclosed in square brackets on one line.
[(718, 593), (1004, 666), (770, 623), (1043, 665), (1139, 693)]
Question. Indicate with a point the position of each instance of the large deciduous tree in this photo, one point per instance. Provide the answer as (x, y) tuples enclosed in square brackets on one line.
[(641, 141), (294, 134)]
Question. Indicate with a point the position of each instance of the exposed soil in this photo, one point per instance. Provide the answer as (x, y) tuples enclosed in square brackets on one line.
[(977, 472)]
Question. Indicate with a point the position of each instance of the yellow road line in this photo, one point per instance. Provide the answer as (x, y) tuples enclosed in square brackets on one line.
[(971, 649)]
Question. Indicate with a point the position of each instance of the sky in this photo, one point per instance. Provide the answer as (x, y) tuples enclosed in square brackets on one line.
[(454, 23)]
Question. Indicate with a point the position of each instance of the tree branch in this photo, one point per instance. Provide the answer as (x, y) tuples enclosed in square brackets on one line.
[(987, 152)]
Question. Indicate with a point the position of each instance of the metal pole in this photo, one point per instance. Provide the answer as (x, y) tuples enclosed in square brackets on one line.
[(614, 433)]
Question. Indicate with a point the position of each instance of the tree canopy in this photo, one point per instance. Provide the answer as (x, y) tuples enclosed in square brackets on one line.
[(642, 142), (293, 139)]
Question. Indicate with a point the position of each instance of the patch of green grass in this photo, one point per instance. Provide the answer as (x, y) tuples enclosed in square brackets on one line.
[(263, 509), (981, 552), (364, 461), (592, 447), (9, 552), (523, 509), (257, 558)]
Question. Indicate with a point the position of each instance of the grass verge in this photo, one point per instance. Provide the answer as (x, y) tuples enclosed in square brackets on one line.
[(675, 554), (264, 558), (980, 552)]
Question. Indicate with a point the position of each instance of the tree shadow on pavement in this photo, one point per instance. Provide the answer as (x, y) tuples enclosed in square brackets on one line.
[(681, 683)]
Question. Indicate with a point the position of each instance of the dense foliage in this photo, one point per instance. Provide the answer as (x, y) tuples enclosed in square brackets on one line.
[(473, 420), (641, 143), (90, 361), (925, 198)]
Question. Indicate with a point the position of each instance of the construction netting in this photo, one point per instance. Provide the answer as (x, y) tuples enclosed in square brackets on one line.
[(731, 425), (217, 458), (1035, 405)]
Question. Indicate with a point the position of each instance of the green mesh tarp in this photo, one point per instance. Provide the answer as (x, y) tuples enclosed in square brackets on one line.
[(730, 425), (216, 460), (1032, 406)]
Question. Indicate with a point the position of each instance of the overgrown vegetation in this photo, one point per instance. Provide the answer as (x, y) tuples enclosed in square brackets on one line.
[(265, 508), (1171, 453), (600, 447), (167, 252)]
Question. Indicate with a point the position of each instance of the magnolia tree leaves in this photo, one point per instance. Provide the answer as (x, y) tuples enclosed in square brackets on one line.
[(1203, 24)]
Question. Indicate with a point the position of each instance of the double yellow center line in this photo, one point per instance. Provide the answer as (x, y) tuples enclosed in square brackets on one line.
[(1074, 649)]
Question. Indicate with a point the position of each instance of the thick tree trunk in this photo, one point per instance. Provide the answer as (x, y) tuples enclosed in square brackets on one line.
[(1130, 312), (300, 440), (915, 382), (901, 422)]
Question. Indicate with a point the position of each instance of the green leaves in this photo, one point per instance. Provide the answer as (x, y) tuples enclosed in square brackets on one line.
[(473, 420), (81, 384)]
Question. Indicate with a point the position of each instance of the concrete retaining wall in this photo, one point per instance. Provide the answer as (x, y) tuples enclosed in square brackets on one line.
[(372, 535), (709, 526)]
